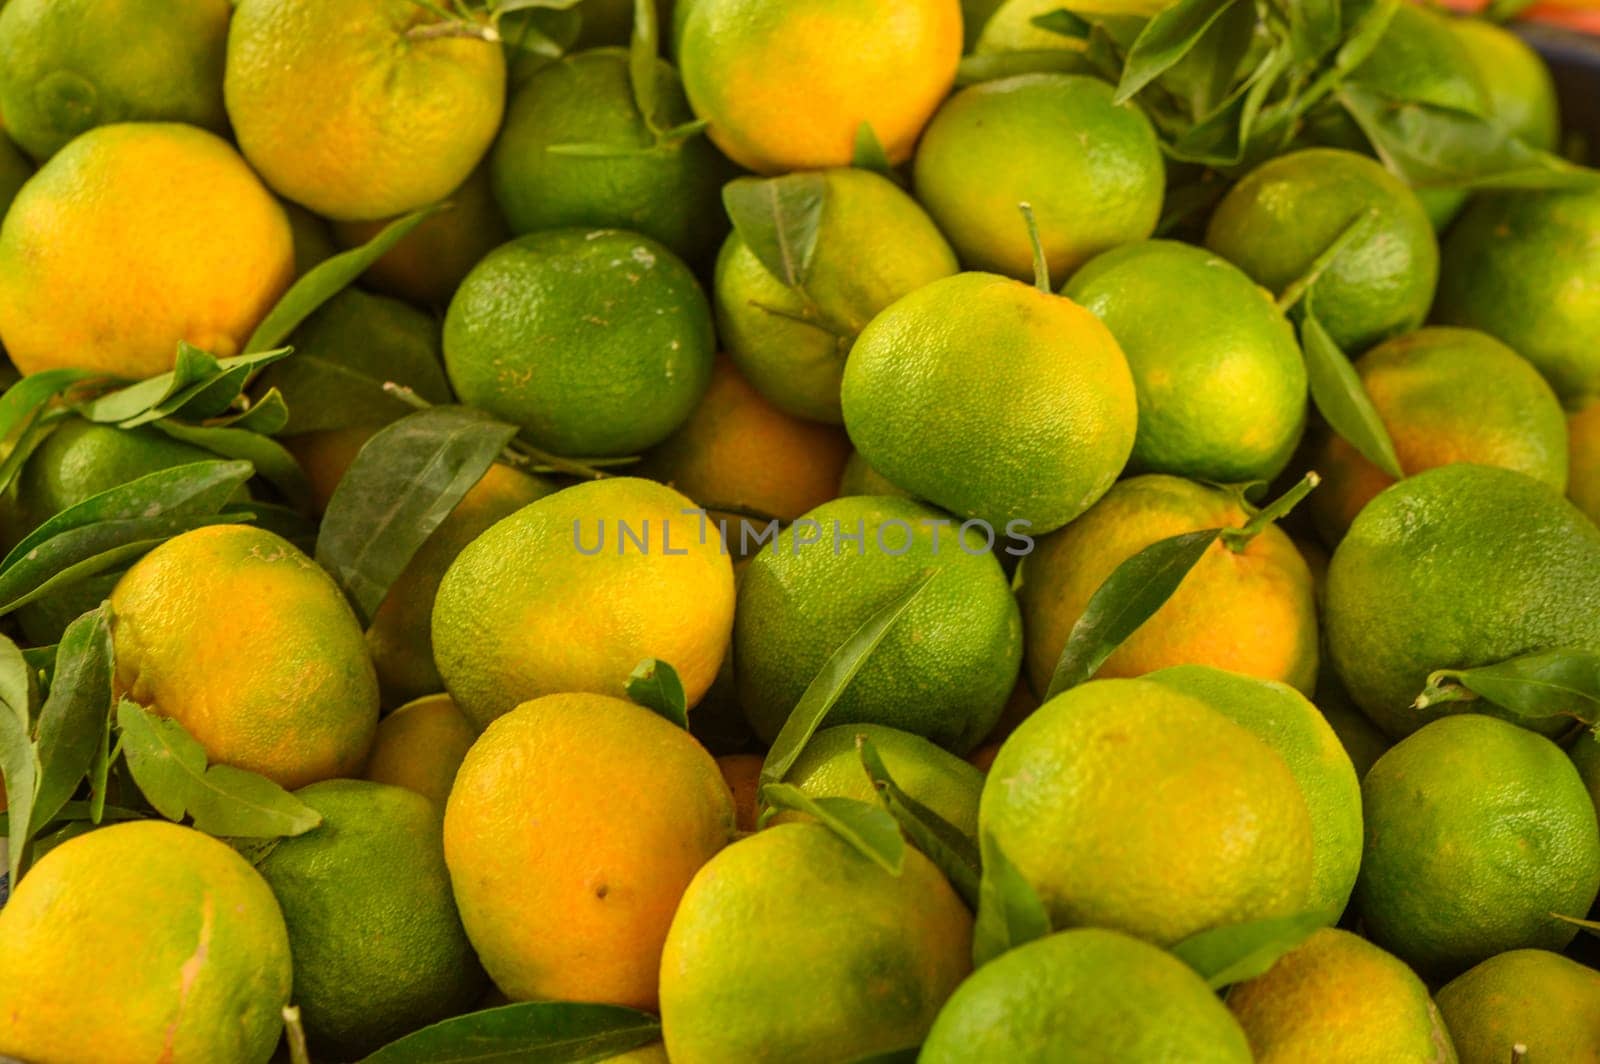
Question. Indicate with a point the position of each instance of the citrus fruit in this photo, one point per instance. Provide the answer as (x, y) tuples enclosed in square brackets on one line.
[(1583, 487), (1128, 805), (1459, 566), (624, 340), (342, 356), (1091, 170), (427, 265), (575, 824), (1477, 831), (874, 244), (739, 450), (1289, 210), (669, 189), (830, 767), (67, 66), (378, 947), (1011, 27), (1522, 94), (1219, 376), (787, 86), (1518, 266), (1251, 612), (15, 169), (872, 955), (420, 746), (361, 109), (138, 236), (993, 400), (859, 478), (1285, 720), (243, 640), (571, 592), (743, 775), (1421, 58), (1336, 996), (1540, 1001), (943, 671), (1088, 995), (142, 941), (1445, 395), (400, 637)]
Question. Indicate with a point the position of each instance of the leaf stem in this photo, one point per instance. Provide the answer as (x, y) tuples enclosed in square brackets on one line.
[(406, 395), (1319, 265), (1441, 689), (1041, 268), (555, 463), (454, 27), (295, 1034), (1237, 539)]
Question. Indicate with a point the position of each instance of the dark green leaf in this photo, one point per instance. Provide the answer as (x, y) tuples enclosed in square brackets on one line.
[(655, 686), (1549, 683), (26, 398), (1010, 913), (942, 842), (170, 768), (329, 277), (1131, 595), (194, 488), (643, 51), (270, 460), (869, 153), (870, 830), (197, 386), (81, 553), (34, 432), (1165, 40), (1438, 147), (1227, 955), (1368, 25), (268, 415), (1315, 26), (73, 718), (1063, 22), (779, 218), (831, 680), (82, 811), (1338, 393), (19, 766), (549, 1032), (402, 484), (894, 1056)]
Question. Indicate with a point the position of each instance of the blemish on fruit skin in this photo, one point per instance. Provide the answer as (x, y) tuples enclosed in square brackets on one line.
[(601, 891)]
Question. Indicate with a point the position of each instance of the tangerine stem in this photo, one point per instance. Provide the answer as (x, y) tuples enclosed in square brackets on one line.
[(1041, 268), (1237, 539), (454, 27)]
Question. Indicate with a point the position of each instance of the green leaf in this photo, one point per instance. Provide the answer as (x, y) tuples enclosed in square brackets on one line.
[(197, 386), (1063, 22), (26, 398), (1226, 955), (329, 277), (1549, 683), (1315, 26), (944, 844), (267, 416), (643, 50), (907, 1055), (779, 218), (193, 488), (19, 766), (1010, 913), (270, 460), (169, 766), (831, 680), (402, 484), (1439, 147), (81, 553), (655, 686), (550, 1032), (1131, 595), (869, 153), (870, 830), (74, 716), (34, 432), (1165, 40), (82, 811), (1339, 395)]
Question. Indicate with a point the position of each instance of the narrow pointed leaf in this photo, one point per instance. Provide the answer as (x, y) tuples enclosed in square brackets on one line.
[(870, 830), (941, 841), (779, 219), (24, 399), (655, 686), (643, 50), (331, 276), (550, 1032), (198, 386), (74, 716), (869, 153), (270, 460), (1063, 22), (81, 553), (402, 484), (831, 680), (1226, 955), (1339, 395), (1131, 595), (34, 432), (1166, 39), (170, 769), (1550, 683), (1010, 913), (19, 766)]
